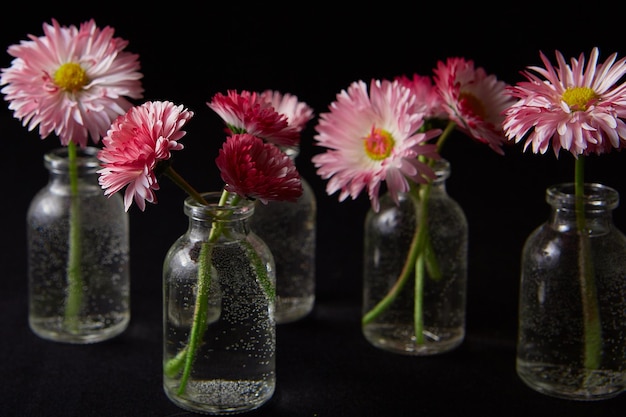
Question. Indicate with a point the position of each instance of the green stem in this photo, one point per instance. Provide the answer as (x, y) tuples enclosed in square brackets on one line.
[(200, 311), (591, 314), (418, 309), (73, 301)]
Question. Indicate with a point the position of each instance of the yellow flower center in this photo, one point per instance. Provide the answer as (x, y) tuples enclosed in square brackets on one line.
[(378, 144), (70, 77), (470, 102), (579, 98)]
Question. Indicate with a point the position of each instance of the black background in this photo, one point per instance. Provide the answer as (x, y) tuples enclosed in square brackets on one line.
[(190, 52)]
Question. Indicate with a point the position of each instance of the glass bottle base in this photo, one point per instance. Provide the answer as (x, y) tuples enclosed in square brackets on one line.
[(290, 309), (571, 384), (220, 397), (400, 339), (88, 330)]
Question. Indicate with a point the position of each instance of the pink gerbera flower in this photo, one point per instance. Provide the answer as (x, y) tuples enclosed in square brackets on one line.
[(254, 169), (298, 113), (71, 81), (371, 137), (576, 108), (248, 112), (135, 144), (474, 100)]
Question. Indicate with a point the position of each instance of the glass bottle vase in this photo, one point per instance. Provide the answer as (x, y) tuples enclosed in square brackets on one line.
[(289, 229), (219, 344), (78, 254), (415, 304), (572, 298)]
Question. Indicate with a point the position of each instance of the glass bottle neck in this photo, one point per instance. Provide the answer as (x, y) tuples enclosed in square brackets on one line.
[(591, 212), (229, 220)]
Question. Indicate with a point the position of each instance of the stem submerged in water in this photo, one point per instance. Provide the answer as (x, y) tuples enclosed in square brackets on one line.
[(74, 297), (591, 314)]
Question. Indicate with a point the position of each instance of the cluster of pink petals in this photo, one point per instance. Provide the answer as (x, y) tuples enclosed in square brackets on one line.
[(543, 116), (427, 98), (474, 100), (298, 113), (112, 74), (248, 112), (353, 116), (135, 143), (258, 170)]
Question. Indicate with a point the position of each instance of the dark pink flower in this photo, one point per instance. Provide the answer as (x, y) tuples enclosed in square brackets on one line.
[(248, 112), (254, 169), (474, 100)]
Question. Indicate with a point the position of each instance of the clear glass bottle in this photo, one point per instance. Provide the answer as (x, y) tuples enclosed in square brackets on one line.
[(430, 320), (219, 344), (572, 298), (78, 255), (289, 229)]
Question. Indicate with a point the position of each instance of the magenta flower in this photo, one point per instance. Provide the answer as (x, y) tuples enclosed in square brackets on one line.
[(71, 81), (474, 100), (134, 146), (576, 108), (372, 137), (248, 112), (254, 169)]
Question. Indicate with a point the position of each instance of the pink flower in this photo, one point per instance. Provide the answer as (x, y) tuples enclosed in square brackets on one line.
[(71, 81), (248, 112), (577, 108), (254, 169), (297, 112), (428, 100), (474, 100), (135, 144), (371, 137)]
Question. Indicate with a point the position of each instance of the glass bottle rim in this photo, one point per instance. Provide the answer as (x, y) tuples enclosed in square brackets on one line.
[(595, 196), (214, 211), (57, 159)]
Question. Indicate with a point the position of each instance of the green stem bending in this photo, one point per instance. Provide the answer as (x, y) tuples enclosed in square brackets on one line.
[(74, 297), (591, 314)]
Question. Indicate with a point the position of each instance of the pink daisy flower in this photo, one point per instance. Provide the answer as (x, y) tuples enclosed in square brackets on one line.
[(255, 169), (297, 112), (371, 137), (577, 108), (248, 112), (71, 81), (135, 144), (474, 100), (427, 98)]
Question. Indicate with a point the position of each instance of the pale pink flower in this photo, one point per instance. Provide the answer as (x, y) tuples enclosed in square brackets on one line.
[(248, 112), (474, 100), (427, 97), (135, 144), (576, 108), (371, 137), (298, 113), (71, 81), (255, 169)]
